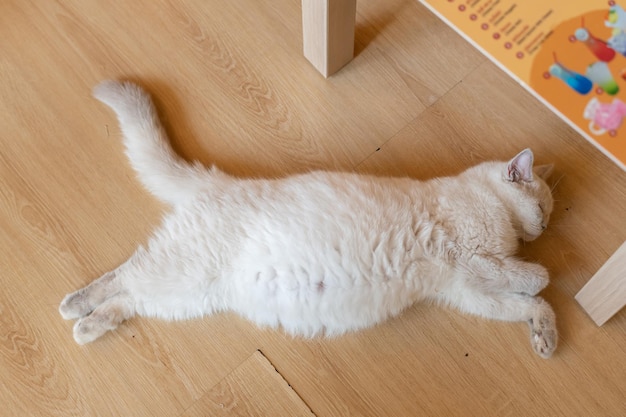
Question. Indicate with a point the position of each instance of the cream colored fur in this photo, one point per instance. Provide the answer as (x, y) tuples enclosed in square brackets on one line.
[(321, 253)]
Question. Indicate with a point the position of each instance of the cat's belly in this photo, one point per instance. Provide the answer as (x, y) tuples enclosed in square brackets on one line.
[(327, 300)]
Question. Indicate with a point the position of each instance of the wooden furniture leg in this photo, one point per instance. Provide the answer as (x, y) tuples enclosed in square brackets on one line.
[(605, 293), (328, 33)]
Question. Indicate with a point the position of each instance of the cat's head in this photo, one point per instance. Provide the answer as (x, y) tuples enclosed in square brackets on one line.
[(528, 194)]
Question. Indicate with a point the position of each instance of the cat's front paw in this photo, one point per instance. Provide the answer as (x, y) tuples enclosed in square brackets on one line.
[(543, 333), (544, 342), (534, 279)]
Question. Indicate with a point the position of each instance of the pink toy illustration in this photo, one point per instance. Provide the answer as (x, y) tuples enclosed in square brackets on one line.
[(599, 73), (597, 46), (604, 117)]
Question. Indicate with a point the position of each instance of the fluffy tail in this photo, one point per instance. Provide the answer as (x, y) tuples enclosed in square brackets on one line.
[(161, 171)]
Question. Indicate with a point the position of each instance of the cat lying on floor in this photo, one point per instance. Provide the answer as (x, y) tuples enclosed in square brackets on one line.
[(321, 253)]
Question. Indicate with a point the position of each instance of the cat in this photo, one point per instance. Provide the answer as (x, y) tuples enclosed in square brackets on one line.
[(321, 253)]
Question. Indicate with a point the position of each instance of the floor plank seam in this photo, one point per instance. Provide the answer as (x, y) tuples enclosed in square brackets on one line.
[(287, 382), (193, 402), (382, 145)]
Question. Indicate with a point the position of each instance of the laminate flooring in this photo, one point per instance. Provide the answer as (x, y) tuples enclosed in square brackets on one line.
[(233, 89)]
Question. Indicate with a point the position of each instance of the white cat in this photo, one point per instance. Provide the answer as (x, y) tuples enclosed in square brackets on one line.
[(322, 252)]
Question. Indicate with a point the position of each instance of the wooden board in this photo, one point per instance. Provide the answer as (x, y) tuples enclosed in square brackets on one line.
[(328, 33), (253, 389), (605, 294)]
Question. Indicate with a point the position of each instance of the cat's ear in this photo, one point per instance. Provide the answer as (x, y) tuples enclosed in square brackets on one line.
[(520, 168), (544, 171)]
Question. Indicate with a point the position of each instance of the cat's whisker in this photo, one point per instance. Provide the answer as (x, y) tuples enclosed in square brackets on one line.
[(564, 225), (557, 182)]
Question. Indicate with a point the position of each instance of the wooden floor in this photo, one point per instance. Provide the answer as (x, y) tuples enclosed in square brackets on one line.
[(231, 83)]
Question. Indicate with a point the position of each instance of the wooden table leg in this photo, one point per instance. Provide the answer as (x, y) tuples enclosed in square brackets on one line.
[(605, 293), (328, 33)]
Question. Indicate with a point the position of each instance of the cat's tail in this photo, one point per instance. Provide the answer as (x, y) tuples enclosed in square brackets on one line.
[(161, 171)]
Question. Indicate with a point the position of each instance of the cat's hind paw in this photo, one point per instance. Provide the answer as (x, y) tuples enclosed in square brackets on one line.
[(104, 318), (82, 302), (75, 306), (86, 331)]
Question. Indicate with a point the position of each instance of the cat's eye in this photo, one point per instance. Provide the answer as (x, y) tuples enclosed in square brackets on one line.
[(540, 207)]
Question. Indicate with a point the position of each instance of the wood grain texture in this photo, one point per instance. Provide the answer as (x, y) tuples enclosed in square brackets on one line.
[(233, 89), (253, 389)]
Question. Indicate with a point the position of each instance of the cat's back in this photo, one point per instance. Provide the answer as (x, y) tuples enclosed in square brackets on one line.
[(321, 206)]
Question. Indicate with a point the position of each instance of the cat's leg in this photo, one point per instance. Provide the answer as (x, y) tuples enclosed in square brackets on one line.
[(82, 302), (107, 316), (100, 306), (508, 307), (507, 275), (154, 282)]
